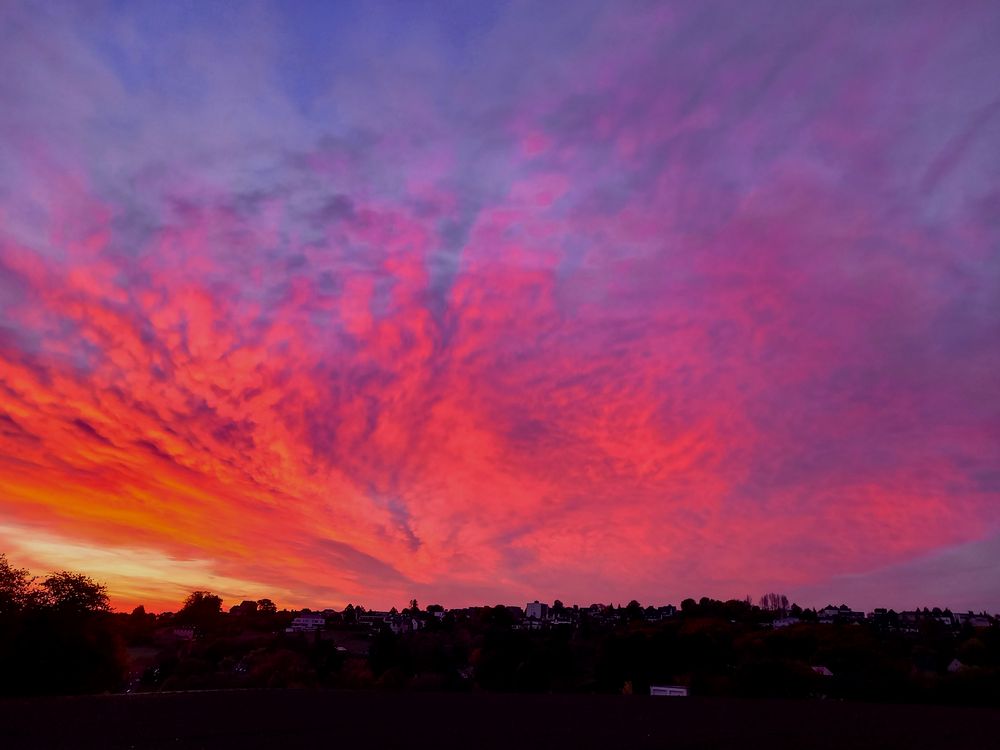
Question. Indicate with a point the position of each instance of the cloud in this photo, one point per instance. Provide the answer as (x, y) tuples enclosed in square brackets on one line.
[(580, 299)]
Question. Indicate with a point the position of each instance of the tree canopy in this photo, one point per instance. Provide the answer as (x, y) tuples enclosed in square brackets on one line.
[(15, 587), (74, 593), (200, 608)]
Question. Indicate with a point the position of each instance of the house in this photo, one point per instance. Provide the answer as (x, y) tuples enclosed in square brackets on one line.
[(404, 624), (977, 621), (955, 666), (186, 632), (307, 622), (822, 671), (842, 614), (374, 618), (656, 614), (784, 622), (674, 691), (884, 619), (536, 610), (908, 619)]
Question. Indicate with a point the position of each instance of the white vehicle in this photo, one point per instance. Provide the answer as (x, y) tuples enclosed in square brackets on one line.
[(670, 690)]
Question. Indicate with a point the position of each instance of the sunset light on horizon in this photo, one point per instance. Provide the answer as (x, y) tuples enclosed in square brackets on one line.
[(480, 302)]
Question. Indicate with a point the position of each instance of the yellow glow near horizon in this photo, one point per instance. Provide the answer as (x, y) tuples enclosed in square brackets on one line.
[(134, 575)]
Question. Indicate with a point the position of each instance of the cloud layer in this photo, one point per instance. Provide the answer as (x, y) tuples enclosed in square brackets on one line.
[(483, 303)]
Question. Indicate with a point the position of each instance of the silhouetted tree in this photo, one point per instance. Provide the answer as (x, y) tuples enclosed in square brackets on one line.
[(266, 606), (15, 588), (74, 594), (201, 608), (774, 602), (58, 638)]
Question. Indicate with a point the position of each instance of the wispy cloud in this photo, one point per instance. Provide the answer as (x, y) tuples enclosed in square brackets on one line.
[(581, 299)]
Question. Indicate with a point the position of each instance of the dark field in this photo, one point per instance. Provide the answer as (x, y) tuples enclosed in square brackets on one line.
[(281, 719)]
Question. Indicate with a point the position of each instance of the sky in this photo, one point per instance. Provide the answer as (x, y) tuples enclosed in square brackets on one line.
[(480, 302)]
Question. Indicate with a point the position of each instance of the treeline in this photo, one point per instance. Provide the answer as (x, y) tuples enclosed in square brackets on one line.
[(59, 637)]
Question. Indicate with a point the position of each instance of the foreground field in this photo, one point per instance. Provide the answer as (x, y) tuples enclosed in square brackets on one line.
[(280, 719)]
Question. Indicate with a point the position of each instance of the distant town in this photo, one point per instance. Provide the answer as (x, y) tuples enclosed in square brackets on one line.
[(538, 615), (59, 636)]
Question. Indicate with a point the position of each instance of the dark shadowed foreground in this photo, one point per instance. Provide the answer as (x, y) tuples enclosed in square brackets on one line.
[(276, 719)]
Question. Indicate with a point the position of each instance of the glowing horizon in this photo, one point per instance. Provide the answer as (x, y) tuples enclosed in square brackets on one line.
[(472, 303)]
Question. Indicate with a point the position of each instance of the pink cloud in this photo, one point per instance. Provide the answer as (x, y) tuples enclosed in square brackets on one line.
[(693, 308)]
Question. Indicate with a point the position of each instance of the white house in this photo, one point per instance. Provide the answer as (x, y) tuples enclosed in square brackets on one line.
[(307, 622), (784, 622)]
